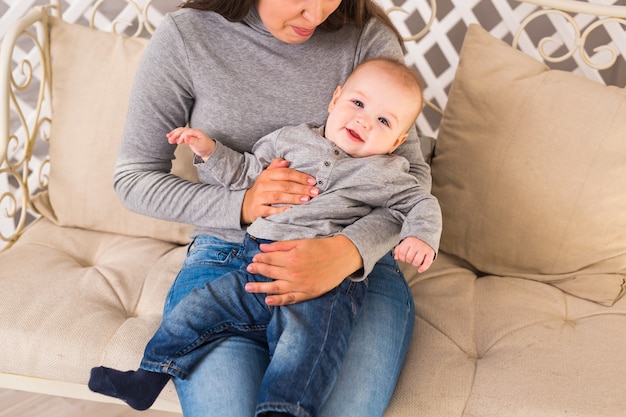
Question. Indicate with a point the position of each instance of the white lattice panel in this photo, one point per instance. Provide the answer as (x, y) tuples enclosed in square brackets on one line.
[(435, 56)]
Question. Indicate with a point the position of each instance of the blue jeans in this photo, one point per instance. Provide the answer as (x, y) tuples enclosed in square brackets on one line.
[(307, 341), (228, 381)]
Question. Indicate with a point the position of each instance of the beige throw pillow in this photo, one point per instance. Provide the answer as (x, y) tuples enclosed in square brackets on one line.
[(92, 74), (530, 171)]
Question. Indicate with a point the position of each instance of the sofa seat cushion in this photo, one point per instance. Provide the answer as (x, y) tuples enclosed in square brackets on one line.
[(485, 346), (72, 299)]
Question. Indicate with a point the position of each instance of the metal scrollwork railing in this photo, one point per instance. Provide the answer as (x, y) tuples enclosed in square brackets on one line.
[(580, 36), (20, 172), (25, 105), (135, 11)]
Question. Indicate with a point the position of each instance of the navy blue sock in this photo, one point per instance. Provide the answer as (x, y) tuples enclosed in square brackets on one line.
[(139, 388)]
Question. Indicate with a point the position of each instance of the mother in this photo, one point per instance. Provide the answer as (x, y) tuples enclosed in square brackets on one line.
[(239, 70)]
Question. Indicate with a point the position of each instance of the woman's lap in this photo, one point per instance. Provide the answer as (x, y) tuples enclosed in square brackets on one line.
[(226, 381)]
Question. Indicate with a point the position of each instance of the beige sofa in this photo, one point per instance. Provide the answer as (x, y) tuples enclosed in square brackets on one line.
[(521, 315)]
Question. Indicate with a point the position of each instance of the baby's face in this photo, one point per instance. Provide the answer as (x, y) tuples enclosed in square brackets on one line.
[(371, 113)]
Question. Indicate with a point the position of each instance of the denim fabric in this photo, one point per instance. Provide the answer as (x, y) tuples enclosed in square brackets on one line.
[(226, 382), (307, 341)]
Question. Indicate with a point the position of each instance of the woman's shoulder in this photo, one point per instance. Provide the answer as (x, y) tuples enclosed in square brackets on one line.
[(187, 27), (378, 39), (191, 21)]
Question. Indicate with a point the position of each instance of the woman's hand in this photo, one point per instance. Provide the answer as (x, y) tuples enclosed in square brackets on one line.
[(277, 184), (303, 269)]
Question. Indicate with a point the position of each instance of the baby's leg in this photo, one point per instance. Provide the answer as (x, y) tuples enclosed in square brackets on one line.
[(308, 341), (221, 308)]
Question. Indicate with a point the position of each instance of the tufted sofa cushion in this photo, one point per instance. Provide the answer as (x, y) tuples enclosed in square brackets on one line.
[(505, 346), (73, 299)]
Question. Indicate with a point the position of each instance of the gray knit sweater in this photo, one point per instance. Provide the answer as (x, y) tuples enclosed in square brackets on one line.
[(237, 83)]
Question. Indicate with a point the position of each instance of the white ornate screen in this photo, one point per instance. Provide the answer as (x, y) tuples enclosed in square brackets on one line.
[(435, 55)]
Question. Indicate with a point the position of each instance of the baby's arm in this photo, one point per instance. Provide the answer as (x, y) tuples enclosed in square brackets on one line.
[(198, 142), (416, 252)]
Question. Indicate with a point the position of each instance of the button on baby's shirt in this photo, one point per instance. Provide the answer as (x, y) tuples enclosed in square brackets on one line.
[(323, 175)]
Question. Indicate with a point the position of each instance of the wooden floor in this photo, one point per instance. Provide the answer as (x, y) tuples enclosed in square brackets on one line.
[(25, 404)]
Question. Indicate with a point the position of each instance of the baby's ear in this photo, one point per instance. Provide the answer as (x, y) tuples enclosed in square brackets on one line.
[(333, 101), (399, 141)]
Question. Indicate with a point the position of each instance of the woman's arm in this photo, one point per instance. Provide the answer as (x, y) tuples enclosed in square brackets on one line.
[(162, 99)]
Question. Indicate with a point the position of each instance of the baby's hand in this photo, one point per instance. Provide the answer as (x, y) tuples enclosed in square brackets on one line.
[(198, 142), (416, 252)]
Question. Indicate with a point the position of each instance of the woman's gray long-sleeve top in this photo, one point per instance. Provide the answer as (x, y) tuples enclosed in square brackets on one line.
[(237, 83), (350, 188)]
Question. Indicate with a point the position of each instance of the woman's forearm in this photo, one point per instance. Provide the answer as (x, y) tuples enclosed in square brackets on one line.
[(162, 195), (373, 235)]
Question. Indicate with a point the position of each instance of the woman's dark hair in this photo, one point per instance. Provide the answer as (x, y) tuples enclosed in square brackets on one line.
[(356, 12)]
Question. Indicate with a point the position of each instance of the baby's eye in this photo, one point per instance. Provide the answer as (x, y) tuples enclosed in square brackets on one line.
[(358, 103), (383, 121)]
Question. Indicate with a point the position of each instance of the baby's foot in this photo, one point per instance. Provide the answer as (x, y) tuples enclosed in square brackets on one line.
[(139, 388)]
